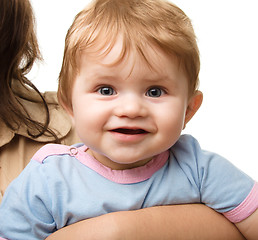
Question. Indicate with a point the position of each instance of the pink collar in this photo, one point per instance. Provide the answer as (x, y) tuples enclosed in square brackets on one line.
[(127, 176)]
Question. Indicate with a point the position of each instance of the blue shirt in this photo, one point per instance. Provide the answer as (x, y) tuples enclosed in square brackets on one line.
[(63, 185)]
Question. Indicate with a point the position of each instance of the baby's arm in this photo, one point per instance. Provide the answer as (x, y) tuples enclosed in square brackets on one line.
[(192, 221), (249, 226)]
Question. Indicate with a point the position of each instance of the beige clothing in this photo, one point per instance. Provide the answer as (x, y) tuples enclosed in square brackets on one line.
[(17, 148)]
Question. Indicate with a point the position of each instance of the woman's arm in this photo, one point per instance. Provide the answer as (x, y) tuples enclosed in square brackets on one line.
[(248, 227), (191, 221)]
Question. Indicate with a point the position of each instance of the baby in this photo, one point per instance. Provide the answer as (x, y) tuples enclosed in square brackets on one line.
[(129, 81)]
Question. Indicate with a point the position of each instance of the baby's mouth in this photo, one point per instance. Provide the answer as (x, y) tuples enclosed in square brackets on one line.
[(129, 131)]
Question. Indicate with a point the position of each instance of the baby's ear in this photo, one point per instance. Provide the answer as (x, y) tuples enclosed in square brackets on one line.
[(193, 105)]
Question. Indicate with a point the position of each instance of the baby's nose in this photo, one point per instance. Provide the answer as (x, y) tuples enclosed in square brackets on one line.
[(131, 106)]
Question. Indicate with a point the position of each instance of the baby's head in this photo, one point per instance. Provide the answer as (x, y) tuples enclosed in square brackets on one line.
[(140, 23), (129, 79)]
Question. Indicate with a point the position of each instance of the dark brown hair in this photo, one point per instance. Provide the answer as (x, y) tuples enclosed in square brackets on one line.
[(18, 52)]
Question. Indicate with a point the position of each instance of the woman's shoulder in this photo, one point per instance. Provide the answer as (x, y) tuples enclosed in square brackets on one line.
[(17, 147), (60, 122)]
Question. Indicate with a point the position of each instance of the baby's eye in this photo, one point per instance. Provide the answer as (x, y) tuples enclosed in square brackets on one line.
[(155, 92), (107, 91)]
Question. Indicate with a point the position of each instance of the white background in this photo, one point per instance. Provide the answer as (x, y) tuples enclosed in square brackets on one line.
[(227, 33)]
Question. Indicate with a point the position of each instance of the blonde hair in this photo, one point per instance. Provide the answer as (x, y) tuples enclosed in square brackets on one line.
[(140, 23)]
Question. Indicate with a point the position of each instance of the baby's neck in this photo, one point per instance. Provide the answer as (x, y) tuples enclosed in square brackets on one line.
[(115, 165)]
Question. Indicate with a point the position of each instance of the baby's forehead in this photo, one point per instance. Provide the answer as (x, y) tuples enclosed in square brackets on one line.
[(150, 64), (118, 51)]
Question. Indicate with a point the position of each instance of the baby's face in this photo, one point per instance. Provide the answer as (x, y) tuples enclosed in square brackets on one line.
[(128, 113)]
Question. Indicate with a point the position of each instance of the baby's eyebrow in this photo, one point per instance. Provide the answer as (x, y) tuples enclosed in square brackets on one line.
[(103, 76), (159, 80), (154, 79)]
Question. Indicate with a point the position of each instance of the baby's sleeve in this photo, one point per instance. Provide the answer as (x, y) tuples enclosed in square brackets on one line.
[(245, 208), (224, 187), (19, 220)]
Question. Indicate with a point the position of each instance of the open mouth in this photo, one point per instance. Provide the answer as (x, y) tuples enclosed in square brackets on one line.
[(129, 131)]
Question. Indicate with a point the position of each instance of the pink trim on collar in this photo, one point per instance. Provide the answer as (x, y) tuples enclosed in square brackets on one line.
[(56, 149), (50, 150), (127, 176)]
